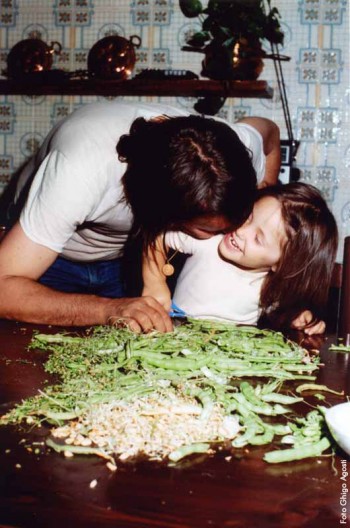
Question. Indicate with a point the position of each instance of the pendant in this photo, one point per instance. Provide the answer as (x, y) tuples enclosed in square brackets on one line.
[(168, 269)]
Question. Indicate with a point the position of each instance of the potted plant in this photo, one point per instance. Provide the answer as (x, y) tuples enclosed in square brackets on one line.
[(232, 35)]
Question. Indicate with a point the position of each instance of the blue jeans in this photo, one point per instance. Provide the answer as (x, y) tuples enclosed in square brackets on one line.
[(103, 278)]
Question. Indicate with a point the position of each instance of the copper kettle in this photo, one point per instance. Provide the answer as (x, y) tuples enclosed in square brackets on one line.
[(113, 57), (31, 55)]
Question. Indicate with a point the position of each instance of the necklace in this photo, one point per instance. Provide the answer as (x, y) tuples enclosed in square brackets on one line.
[(168, 269)]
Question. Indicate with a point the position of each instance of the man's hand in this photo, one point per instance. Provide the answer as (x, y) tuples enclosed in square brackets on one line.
[(304, 319), (140, 314)]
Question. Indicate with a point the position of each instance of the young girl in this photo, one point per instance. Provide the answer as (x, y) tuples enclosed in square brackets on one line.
[(275, 269)]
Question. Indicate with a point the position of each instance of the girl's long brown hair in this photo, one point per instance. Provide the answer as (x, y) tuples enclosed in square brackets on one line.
[(302, 279)]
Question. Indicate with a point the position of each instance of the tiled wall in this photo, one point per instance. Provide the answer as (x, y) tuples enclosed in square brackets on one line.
[(316, 77)]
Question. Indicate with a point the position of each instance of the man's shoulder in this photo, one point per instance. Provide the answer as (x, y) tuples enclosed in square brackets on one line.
[(123, 109), (105, 121)]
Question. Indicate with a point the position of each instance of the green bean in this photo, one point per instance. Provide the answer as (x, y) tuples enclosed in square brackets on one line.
[(250, 395), (231, 407), (186, 450), (106, 397), (268, 387), (320, 397), (280, 409), (206, 400), (60, 416), (300, 368), (275, 397), (262, 439), (252, 428), (267, 410), (311, 431), (315, 386), (340, 348), (269, 373), (223, 363), (177, 363), (243, 410), (56, 339), (297, 453), (78, 450), (213, 375), (280, 429), (273, 359)]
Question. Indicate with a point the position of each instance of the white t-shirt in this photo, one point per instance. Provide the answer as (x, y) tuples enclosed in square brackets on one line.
[(78, 179), (211, 288)]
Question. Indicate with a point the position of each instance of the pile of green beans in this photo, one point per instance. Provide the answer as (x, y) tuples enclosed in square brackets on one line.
[(202, 359)]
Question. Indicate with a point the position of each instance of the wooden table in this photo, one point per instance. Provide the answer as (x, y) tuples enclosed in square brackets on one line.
[(47, 490)]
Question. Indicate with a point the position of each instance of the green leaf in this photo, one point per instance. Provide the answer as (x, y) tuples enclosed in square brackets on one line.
[(248, 19), (198, 39), (191, 8)]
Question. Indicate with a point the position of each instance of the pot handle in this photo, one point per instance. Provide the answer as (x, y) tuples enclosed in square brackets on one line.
[(55, 47), (135, 40)]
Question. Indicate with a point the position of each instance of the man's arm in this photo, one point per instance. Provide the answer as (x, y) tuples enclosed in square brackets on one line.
[(154, 280), (22, 262), (270, 133)]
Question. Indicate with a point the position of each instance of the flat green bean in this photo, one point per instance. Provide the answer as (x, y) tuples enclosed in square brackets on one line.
[(78, 450), (186, 450), (315, 386), (262, 439), (276, 397), (267, 410), (250, 395), (252, 428), (297, 453)]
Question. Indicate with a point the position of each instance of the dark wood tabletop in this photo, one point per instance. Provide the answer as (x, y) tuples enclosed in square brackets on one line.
[(47, 490)]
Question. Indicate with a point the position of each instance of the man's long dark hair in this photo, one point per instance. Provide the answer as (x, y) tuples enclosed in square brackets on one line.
[(303, 275), (180, 168)]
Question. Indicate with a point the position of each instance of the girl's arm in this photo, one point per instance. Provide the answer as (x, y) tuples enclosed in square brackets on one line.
[(154, 280), (270, 133)]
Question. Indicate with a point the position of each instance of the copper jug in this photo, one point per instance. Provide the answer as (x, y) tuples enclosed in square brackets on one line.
[(113, 57), (31, 55)]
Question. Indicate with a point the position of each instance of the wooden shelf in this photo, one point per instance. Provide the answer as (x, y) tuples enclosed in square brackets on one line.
[(138, 87)]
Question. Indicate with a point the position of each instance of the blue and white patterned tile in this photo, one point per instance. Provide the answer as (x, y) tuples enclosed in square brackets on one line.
[(322, 11), (320, 65)]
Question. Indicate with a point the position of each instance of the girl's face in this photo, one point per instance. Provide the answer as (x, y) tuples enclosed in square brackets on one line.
[(258, 243)]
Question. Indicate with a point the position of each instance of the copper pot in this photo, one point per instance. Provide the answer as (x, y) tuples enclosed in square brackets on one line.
[(31, 55), (247, 62), (113, 57), (243, 61)]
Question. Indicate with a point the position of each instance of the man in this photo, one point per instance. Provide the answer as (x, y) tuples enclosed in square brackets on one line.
[(61, 262)]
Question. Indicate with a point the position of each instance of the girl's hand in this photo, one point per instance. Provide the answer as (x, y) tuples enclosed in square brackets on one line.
[(159, 292), (303, 319)]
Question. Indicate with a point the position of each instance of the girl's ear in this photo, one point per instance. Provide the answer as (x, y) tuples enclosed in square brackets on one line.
[(273, 268)]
